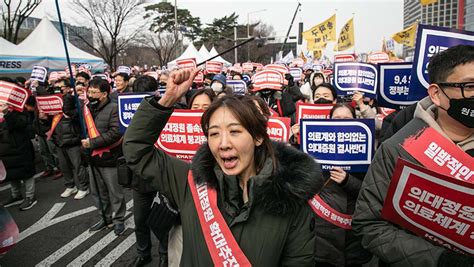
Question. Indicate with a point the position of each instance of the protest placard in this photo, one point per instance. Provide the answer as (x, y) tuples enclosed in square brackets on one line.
[(279, 128), (296, 73), (50, 104), (349, 77), (187, 63), (344, 58), (13, 95), (39, 73), (267, 79), (312, 111), (124, 69), (127, 106), (394, 85), (214, 66), (239, 87)]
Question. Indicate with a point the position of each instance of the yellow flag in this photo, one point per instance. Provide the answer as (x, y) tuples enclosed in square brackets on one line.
[(346, 37), (407, 36), (323, 32), (317, 54), (303, 57), (427, 2), (313, 46)]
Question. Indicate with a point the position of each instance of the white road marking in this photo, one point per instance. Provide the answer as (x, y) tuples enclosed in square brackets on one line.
[(120, 249)]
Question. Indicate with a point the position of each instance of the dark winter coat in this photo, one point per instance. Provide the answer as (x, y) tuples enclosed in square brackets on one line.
[(68, 131), (16, 149), (336, 245), (395, 121), (274, 228), (106, 121), (281, 102)]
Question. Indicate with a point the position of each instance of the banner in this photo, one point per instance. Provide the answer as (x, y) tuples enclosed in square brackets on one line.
[(13, 95), (346, 37), (323, 32), (312, 111), (344, 58), (214, 66), (182, 135), (186, 63), (127, 106), (394, 85), (350, 76), (239, 87), (296, 73), (431, 205), (348, 144), (439, 154), (39, 73), (279, 128), (327, 213), (267, 79), (406, 36), (430, 41), (51, 104), (124, 69)]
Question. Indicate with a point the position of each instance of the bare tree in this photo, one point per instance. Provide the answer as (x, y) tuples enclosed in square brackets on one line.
[(163, 45), (108, 19), (14, 14)]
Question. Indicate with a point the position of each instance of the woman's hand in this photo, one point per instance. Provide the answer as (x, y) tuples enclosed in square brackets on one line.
[(177, 85), (358, 97), (338, 175), (295, 129)]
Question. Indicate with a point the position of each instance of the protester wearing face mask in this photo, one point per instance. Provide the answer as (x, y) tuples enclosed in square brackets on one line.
[(218, 84), (104, 145), (324, 94), (315, 79), (450, 95)]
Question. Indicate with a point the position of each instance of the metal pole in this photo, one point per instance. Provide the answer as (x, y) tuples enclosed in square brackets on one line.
[(235, 44), (176, 26), (291, 24), (248, 35)]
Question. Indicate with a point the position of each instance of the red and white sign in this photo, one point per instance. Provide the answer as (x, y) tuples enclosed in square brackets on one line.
[(441, 155), (327, 213), (378, 57), (297, 62), (278, 67), (431, 205), (344, 58), (258, 66), (247, 66), (51, 104), (237, 69), (312, 111), (153, 74), (53, 76), (279, 128), (63, 74), (188, 63), (13, 95), (199, 79), (327, 72), (214, 66), (74, 71), (386, 111), (182, 135), (267, 79)]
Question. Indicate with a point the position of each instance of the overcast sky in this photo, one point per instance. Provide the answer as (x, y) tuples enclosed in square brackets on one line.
[(373, 19)]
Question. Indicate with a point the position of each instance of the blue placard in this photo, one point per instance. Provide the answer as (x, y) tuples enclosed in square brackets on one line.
[(394, 85), (161, 89), (353, 76), (127, 105), (296, 73), (348, 144), (431, 40), (239, 87)]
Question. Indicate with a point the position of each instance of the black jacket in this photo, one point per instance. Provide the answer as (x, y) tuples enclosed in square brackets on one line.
[(106, 120), (16, 149), (68, 131), (395, 121)]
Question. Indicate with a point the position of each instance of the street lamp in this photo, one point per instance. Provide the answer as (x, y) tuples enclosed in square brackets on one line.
[(248, 29)]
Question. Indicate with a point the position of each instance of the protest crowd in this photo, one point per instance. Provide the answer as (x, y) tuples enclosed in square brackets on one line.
[(297, 164)]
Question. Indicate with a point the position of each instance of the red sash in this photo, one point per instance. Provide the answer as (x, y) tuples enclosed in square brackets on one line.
[(93, 133), (323, 210), (56, 119), (435, 152), (224, 250)]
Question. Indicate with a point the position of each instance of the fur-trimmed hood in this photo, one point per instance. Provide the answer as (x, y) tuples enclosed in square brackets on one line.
[(296, 179)]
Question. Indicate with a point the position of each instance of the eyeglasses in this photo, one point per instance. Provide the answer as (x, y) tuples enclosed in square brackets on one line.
[(466, 88), (92, 92)]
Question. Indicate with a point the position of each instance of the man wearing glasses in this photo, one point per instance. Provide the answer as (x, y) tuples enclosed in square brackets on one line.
[(449, 110)]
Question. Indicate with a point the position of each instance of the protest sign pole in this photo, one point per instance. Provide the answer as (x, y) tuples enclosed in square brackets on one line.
[(79, 111)]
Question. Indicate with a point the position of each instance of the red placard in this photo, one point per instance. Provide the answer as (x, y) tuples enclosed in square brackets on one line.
[(267, 79), (439, 154), (199, 79), (297, 62), (13, 95), (214, 66), (51, 104), (431, 205), (344, 58), (247, 66), (378, 57), (278, 67), (53, 76), (186, 63), (279, 128), (153, 74), (313, 111), (327, 72), (258, 66), (237, 69), (182, 135)]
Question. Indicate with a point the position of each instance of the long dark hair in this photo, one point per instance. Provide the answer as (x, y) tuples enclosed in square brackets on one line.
[(251, 119), (343, 105)]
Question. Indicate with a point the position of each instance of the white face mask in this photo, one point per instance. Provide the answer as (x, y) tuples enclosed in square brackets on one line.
[(216, 87)]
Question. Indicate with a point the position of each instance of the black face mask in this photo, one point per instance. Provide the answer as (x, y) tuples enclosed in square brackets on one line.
[(162, 84), (461, 110), (93, 102), (322, 100)]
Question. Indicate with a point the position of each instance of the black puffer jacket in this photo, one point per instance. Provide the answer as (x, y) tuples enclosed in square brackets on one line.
[(335, 245), (68, 131), (16, 149), (106, 121)]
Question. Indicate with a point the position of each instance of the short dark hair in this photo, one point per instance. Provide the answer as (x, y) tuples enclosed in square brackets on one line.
[(328, 86), (83, 75), (252, 120), (125, 76), (442, 64), (145, 83), (101, 84), (66, 81), (343, 105), (207, 92)]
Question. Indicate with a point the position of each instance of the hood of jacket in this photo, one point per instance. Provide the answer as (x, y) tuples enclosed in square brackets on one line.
[(427, 111), (295, 180)]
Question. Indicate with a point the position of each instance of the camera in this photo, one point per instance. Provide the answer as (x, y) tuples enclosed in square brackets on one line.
[(344, 99)]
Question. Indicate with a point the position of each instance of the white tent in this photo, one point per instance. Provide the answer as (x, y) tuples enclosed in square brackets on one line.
[(6, 45), (213, 53), (190, 52), (44, 47), (204, 53)]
